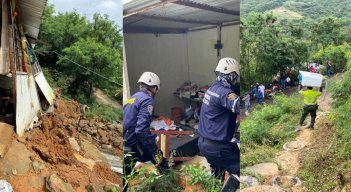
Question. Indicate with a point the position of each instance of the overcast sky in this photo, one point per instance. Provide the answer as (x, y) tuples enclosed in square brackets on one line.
[(113, 8)]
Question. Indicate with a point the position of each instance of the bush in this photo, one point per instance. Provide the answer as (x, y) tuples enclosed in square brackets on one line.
[(199, 175), (106, 113), (338, 55), (151, 180), (272, 123), (267, 128)]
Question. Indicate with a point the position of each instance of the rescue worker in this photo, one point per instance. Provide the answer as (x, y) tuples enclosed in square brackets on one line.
[(218, 115), (310, 100), (139, 143)]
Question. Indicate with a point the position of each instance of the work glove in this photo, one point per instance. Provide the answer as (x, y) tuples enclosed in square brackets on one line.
[(160, 162)]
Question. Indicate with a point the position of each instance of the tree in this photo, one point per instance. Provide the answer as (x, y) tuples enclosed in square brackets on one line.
[(95, 44), (268, 47), (327, 31), (94, 58)]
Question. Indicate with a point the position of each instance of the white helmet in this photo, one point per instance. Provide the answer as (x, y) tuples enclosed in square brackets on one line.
[(228, 65), (150, 78)]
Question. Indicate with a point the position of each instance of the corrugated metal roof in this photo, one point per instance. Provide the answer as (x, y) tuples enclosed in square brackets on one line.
[(30, 12), (168, 13)]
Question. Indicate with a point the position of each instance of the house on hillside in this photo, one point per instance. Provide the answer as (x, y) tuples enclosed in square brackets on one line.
[(24, 91)]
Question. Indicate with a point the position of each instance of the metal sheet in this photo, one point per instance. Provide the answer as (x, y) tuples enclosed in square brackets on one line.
[(4, 47), (45, 88), (30, 13), (27, 102), (176, 11)]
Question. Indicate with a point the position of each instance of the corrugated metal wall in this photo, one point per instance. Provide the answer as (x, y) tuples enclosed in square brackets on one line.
[(4, 48), (28, 104)]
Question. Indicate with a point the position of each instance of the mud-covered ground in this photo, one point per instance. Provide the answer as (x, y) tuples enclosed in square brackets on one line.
[(68, 145)]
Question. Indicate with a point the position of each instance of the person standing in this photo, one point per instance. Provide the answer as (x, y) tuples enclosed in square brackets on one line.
[(262, 89), (139, 143), (259, 97), (283, 81), (310, 105), (218, 115), (246, 99)]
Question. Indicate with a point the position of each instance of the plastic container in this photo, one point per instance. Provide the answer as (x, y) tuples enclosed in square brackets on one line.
[(310, 79)]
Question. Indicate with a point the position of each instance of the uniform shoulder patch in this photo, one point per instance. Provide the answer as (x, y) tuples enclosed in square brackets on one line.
[(150, 109), (232, 96), (130, 101)]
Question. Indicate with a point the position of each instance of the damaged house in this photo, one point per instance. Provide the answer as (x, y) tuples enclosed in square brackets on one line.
[(24, 91)]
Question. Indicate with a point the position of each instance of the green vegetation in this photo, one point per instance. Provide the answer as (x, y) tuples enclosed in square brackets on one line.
[(80, 54), (106, 113), (313, 9), (267, 128), (148, 179), (338, 55), (199, 175), (268, 48), (328, 167), (274, 36)]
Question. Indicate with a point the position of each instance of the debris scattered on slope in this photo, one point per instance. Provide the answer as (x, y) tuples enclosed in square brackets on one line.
[(64, 152)]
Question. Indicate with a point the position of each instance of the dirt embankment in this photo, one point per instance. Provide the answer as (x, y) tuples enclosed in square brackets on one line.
[(77, 163)]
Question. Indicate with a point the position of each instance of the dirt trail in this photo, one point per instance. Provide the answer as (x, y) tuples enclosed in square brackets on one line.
[(105, 100), (290, 161)]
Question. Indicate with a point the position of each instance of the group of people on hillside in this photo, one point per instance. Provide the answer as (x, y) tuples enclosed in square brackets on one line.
[(316, 68), (259, 92)]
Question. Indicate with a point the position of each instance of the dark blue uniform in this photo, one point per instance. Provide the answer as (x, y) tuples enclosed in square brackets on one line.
[(217, 126), (139, 142)]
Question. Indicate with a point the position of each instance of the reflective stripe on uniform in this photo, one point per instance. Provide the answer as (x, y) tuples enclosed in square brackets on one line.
[(310, 96)]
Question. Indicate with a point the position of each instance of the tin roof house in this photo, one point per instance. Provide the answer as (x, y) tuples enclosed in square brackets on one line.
[(24, 91)]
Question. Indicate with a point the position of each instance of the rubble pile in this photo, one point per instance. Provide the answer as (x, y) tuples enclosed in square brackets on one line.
[(64, 149)]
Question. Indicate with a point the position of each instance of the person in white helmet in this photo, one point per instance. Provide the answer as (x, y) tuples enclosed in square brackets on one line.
[(139, 143), (218, 115)]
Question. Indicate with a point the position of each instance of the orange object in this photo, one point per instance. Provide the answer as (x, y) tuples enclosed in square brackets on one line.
[(14, 13), (165, 119)]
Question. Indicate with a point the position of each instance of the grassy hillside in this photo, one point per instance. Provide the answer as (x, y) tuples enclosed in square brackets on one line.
[(308, 8)]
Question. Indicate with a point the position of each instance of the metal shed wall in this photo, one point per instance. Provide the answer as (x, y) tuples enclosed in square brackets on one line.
[(177, 58)]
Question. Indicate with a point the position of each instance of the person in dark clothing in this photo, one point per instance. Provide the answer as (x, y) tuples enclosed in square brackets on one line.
[(328, 68), (283, 81), (139, 143), (218, 115)]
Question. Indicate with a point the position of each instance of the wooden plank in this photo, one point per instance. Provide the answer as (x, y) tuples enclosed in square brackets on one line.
[(6, 132)]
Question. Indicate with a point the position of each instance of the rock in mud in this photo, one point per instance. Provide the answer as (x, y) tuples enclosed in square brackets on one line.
[(38, 166), (264, 169), (94, 188), (17, 158), (56, 184), (248, 181), (111, 188)]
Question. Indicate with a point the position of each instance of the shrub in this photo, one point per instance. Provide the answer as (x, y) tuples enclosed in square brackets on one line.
[(267, 128), (106, 113)]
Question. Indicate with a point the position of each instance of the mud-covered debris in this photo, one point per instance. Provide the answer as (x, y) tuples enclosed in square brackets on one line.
[(94, 188), (56, 184), (37, 166)]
